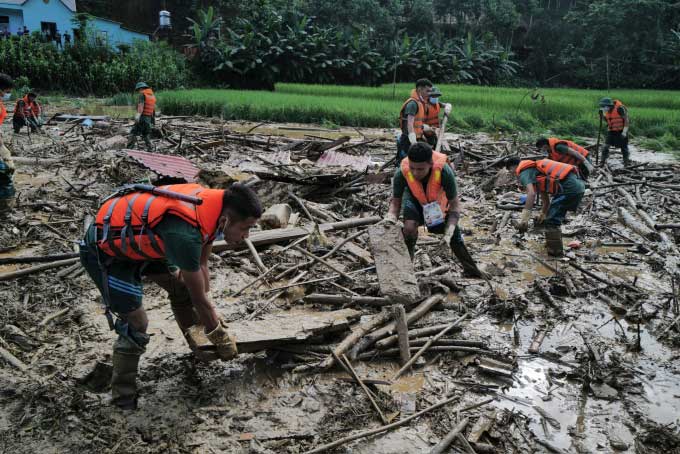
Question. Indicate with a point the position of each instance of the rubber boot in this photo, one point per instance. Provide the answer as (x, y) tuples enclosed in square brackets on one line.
[(553, 241), (124, 380), (470, 268), (411, 246), (605, 156), (132, 141), (149, 145)]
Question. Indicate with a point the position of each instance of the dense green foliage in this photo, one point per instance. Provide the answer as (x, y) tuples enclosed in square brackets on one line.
[(91, 68), (566, 112)]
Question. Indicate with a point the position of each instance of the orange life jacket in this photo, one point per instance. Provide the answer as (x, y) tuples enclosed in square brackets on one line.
[(432, 115), (435, 192), (125, 223), (3, 112), (419, 120), (28, 110), (562, 157), (149, 102), (615, 121), (550, 173)]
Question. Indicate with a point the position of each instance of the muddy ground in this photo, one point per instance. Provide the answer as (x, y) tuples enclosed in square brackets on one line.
[(606, 378)]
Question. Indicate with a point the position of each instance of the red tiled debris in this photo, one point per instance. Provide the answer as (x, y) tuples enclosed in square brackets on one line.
[(170, 166), (338, 158)]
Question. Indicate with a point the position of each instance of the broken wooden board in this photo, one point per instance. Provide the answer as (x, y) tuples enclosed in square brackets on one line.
[(396, 274), (283, 328)]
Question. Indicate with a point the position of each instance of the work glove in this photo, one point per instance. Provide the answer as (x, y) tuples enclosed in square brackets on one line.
[(523, 225), (412, 138), (390, 218), (588, 165), (137, 116), (624, 133), (226, 344), (427, 128), (448, 234), (447, 109)]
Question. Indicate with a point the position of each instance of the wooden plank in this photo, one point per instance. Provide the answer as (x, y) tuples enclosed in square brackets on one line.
[(362, 254), (396, 274)]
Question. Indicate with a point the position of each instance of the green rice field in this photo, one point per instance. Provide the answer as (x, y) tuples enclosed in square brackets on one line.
[(655, 115)]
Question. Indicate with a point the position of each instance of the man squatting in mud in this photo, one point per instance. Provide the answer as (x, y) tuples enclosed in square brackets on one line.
[(166, 235)]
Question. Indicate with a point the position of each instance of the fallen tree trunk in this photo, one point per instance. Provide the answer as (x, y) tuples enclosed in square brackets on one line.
[(666, 226), (628, 220)]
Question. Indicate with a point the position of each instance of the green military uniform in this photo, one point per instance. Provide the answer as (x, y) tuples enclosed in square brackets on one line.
[(142, 128), (567, 199)]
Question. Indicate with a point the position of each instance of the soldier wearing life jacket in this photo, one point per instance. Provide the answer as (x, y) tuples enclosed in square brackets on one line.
[(145, 116), (164, 235), (412, 117), (433, 109), (7, 191), (424, 190), (616, 115), (27, 112), (561, 190), (567, 152)]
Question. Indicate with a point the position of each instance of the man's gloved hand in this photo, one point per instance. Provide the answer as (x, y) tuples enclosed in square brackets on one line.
[(448, 234), (390, 218), (523, 225), (226, 345), (447, 109), (137, 116), (588, 165), (412, 138), (624, 133)]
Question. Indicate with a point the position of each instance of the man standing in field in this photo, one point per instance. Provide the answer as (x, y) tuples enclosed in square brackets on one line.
[(412, 117), (165, 234), (7, 190), (549, 178), (616, 115), (432, 124), (424, 189), (144, 118), (567, 152)]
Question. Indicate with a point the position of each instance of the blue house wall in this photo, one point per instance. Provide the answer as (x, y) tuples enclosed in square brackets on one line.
[(37, 11), (115, 33)]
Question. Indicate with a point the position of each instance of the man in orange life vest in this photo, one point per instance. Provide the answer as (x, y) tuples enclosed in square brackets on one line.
[(432, 110), (549, 178), (144, 118), (412, 117), (616, 115), (567, 152), (424, 189), (164, 234), (7, 190), (27, 112)]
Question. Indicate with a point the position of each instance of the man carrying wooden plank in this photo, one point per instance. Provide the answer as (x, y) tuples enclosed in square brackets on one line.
[(548, 178), (424, 190), (165, 234)]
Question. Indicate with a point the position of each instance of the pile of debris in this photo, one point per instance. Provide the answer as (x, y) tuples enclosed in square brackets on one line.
[(342, 336)]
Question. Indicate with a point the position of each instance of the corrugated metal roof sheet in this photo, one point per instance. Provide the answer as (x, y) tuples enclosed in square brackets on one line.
[(171, 166), (338, 158)]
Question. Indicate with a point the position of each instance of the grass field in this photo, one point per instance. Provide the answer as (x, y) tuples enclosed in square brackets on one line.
[(655, 115)]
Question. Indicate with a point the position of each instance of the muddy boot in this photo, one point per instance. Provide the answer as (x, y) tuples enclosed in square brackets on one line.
[(605, 156), (411, 246), (127, 350), (470, 268), (149, 145), (132, 141), (553, 241)]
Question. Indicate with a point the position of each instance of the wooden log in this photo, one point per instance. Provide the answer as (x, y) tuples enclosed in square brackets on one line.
[(38, 259), (416, 314), (666, 226), (273, 236), (628, 220), (319, 298), (258, 260), (393, 264), (12, 360), (412, 334), (347, 343), (429, 343), (399, 315), (69, 270), (276, 216), (482, 425), (537, 341), (368, 433), (444, 444), (432, 349), (37, 269)]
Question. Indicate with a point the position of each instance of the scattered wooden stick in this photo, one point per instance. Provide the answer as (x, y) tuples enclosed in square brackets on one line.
[(258, 260), (442, 446), (38, 259), (351, 370), (368, 433), (37, 269), (323, 262), (256, 280), (429, 343), (53, 316), (13, 360), (399, 315)]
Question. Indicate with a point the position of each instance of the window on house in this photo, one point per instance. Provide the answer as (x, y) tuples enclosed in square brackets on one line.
[(4, 24), (49, 29)]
